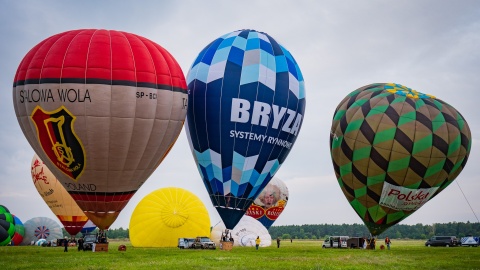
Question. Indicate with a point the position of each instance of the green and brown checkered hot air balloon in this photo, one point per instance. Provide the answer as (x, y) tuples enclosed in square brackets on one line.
[(393, 149)]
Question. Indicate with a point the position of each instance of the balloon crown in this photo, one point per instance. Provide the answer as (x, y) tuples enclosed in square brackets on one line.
[(405, 91)]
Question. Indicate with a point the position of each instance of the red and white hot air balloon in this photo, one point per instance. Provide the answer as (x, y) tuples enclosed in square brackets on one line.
[(102, 109)]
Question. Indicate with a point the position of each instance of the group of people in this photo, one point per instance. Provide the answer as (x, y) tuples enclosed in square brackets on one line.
[(72, 242), (372, 242), (258, 241), (225, 237), (339, 242), (369, 242), (101, 237)]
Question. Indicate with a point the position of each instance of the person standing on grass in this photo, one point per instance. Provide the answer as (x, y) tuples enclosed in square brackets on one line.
[(278, 242), (65, 244), (257, 242), (387, 242), (80, 244)]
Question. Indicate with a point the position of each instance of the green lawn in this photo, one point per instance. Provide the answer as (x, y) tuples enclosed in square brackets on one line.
[(297, 255)]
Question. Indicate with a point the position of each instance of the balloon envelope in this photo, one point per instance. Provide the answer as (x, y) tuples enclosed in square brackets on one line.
[(41, 228), (393, 149), (165, 215), (57, 198), (245, 108), (7, 226), (271, 202), (245, 233), (40, 242), (88, 227), (101, 108), (19, 232)]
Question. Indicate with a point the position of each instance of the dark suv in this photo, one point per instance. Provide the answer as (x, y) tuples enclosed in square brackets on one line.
[(445, 241), (88, 240)]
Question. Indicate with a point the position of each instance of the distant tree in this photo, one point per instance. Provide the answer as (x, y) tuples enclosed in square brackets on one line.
[(301, 234), (417, 231)]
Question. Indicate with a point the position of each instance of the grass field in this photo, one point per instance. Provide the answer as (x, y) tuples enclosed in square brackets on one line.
[(404, 254)]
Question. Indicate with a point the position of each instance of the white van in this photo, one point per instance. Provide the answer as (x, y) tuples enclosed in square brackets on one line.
[(333, 241), (185, 242)]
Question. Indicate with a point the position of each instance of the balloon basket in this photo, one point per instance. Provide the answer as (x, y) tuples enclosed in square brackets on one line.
[(101, 247), (226, 245)]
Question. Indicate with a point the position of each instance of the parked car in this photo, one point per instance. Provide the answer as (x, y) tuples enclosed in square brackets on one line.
[(88, 240), (203, 242), (185, 242), (445, 241), (470, 241)]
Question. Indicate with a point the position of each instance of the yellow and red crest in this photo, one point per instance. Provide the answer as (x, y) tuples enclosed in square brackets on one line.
[(58, 140)]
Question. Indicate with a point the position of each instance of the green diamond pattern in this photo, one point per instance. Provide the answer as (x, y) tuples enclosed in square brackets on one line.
[(376, 212), (433, 141)]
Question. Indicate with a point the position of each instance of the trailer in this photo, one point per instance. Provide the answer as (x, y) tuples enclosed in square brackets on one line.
[(470, 241), (355, 242)]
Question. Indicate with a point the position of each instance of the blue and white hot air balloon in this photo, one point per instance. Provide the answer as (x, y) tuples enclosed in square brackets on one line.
[(246, 105)]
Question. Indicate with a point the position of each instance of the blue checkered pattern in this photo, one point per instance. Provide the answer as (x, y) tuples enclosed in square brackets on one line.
[(246, 65), (243, 174), (258, 59)]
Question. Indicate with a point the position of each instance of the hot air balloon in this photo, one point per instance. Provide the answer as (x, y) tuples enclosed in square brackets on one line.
[(244, 233), (393, 149), (41, 228), (57, 198), (167, 214), (19, 232), (7, 226), (271, 202), (88, 227), (246, 104), (101, 108)]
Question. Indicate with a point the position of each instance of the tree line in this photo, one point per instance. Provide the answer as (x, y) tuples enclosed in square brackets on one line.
[(321, 231), (119, 233), (399, 231)]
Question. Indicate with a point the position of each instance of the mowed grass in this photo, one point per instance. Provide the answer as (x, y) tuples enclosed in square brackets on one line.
[(404, 254)]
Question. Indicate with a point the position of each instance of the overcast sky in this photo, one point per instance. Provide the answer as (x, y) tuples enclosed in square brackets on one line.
[(431, 46)]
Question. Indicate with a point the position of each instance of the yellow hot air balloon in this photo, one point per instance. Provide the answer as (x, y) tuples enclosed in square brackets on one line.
[(167, 214), (57, 198)]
